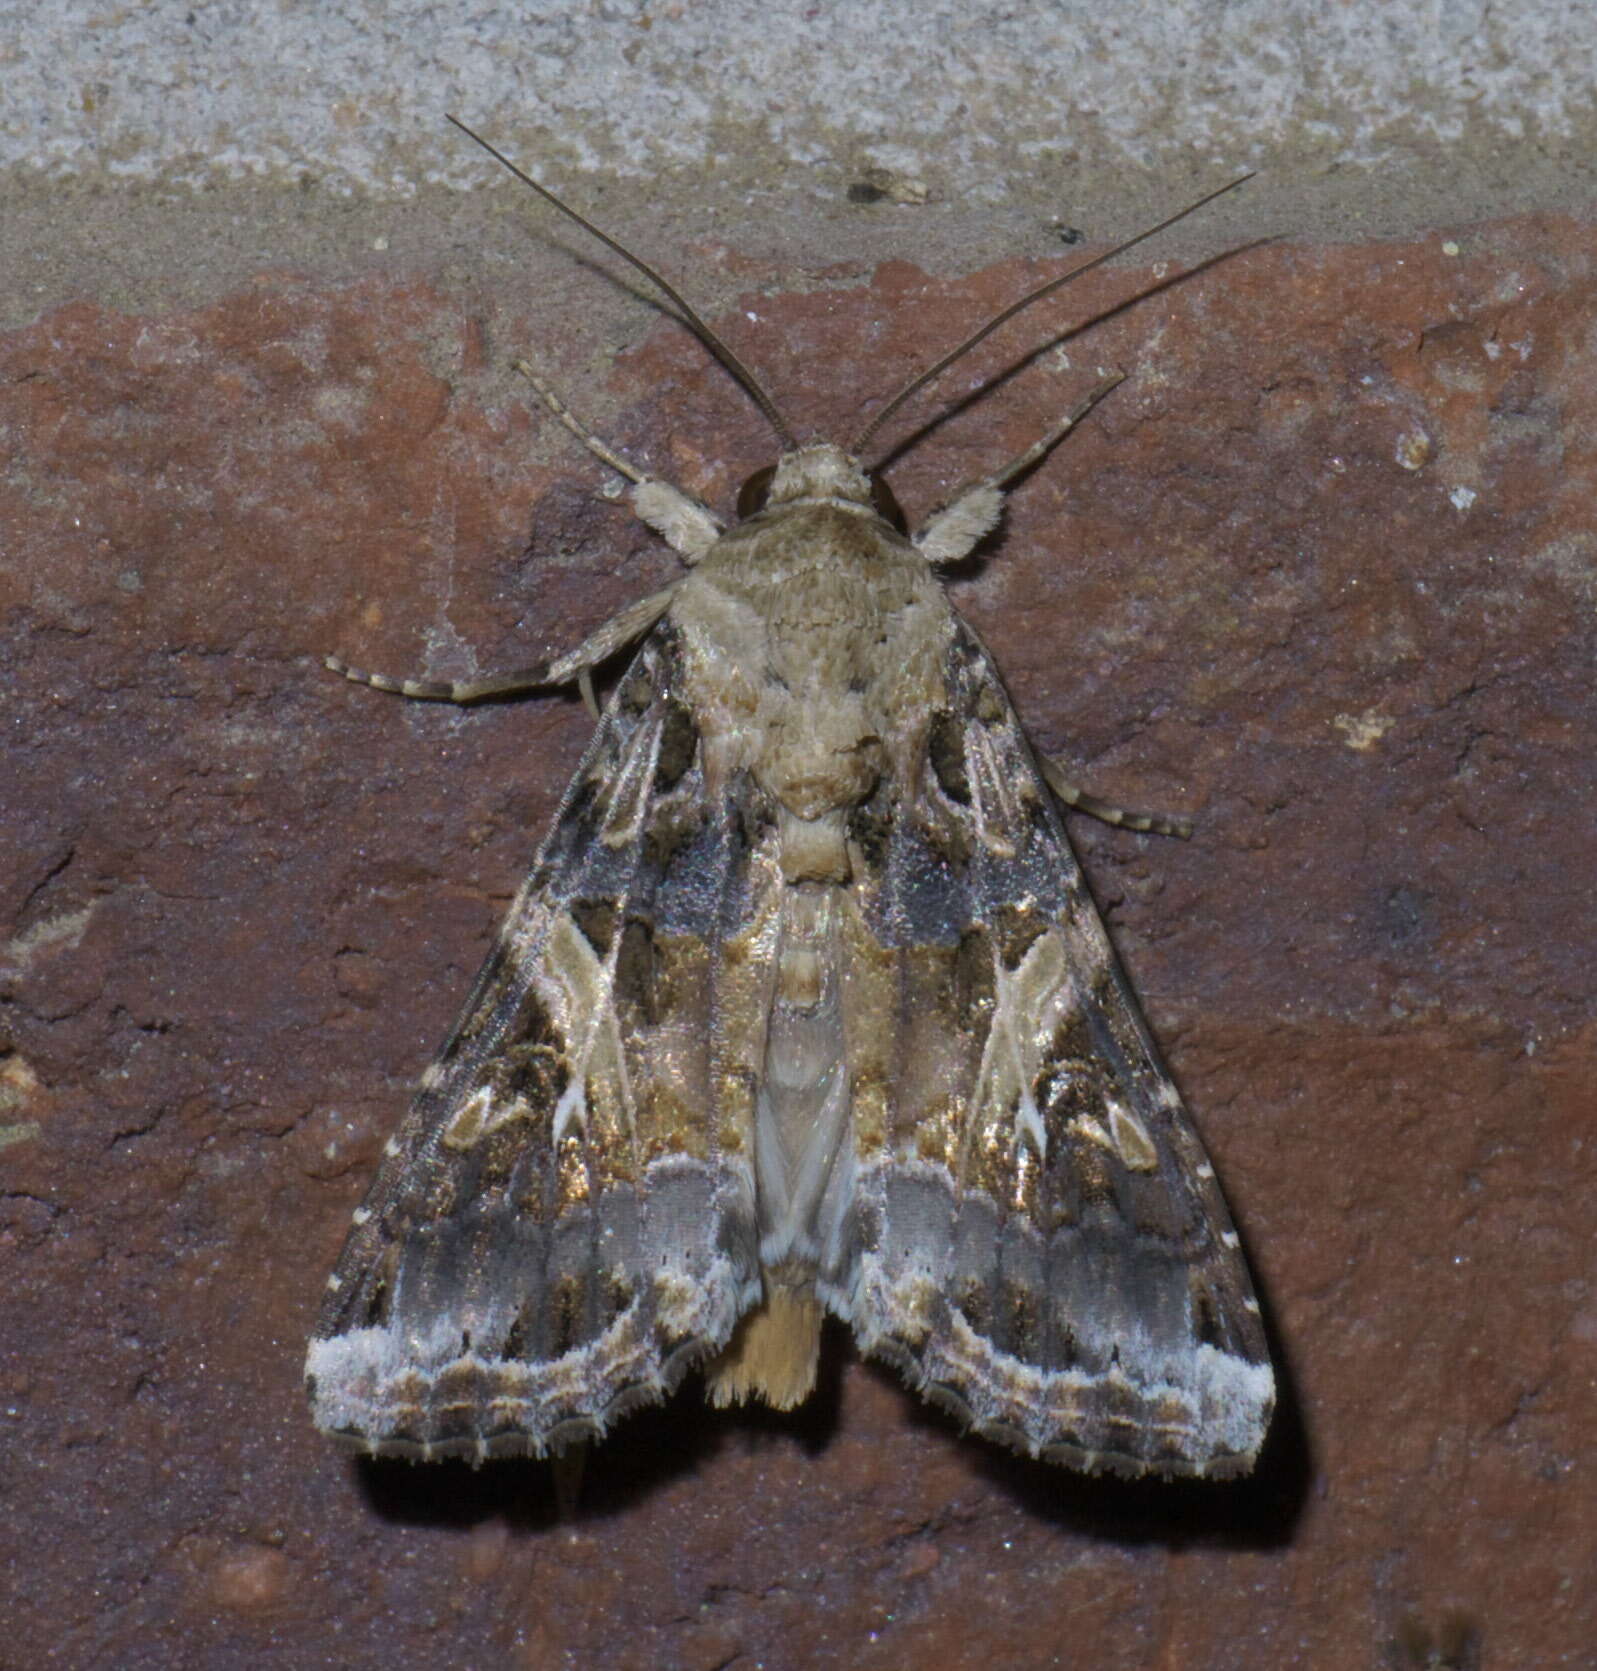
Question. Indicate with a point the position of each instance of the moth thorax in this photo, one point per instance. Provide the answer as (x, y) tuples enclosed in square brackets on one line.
[(818, 471)]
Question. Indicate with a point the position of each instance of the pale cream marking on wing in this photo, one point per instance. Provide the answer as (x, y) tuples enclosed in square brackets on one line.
[(1028, 1123), (1131, 1140), (991, 792), (1086, 1126), (1205, 1171), (627, 791), (576, 988), (468, 1121), (432, 1075), (360, 1216), (391, 1148), (1229, 1238), (571, 1110), (480, 1115), (1028, 1005), (1167, 1096), (579, 991)]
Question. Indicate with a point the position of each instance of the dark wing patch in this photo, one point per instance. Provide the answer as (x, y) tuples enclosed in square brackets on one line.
[(1039, 1241), (563, 1222)]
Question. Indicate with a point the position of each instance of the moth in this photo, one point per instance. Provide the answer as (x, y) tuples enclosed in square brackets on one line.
[(803, 1009)]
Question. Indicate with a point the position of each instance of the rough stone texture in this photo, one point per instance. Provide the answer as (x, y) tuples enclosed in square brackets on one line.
[(981, 97), (1322, 573)]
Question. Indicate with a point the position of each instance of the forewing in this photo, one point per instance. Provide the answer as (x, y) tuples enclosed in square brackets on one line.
[(1040, 1242), (563, 1222)]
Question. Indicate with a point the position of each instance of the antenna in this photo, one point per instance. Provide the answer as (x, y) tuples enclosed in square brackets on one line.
[(916, 384), (689, 313)]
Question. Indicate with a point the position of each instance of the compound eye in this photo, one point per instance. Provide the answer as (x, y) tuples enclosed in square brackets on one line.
[(887, 507), (754, 492)]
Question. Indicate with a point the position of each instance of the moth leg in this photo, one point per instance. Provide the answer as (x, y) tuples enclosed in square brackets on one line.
[(952, 533), (576, 665), (1154, 823), (443, 690), (687, 526)]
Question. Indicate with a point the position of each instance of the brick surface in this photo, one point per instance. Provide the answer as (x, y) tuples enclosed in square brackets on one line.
[(1322, 573)]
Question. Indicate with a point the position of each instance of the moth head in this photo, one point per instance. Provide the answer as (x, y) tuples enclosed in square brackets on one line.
[(819, 470)]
